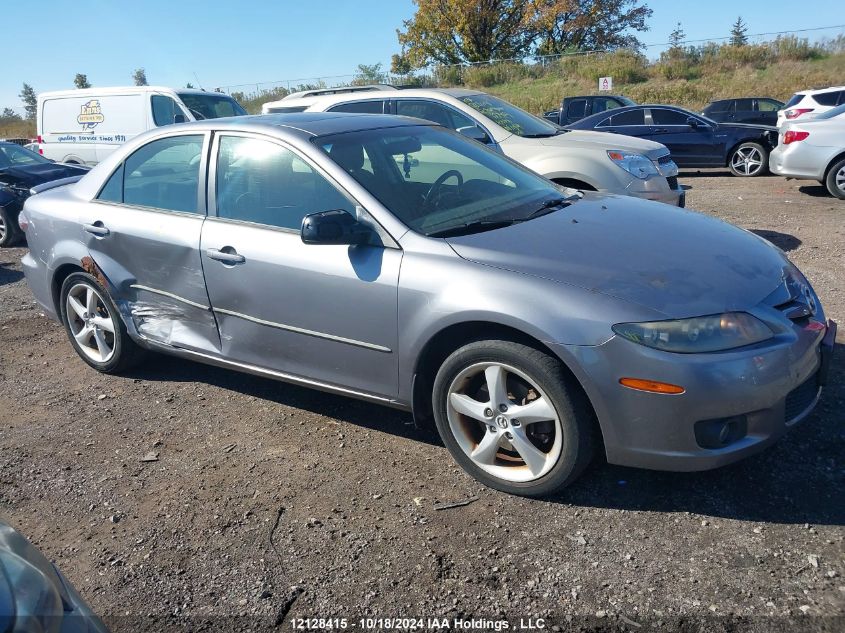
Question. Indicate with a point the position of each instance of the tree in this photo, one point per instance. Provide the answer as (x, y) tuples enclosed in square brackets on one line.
[(140, 77), (559, 26), (676, 38), (399, 64), (738, 33), (9, 115), (368, 74), (30, 101), (81, 81), (460, 31), (189, 85)]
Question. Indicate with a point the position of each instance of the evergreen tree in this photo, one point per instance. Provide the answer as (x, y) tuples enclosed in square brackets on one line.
[(738, 33)]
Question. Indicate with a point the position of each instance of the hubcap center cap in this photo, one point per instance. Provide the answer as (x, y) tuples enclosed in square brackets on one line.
[(502, 421)]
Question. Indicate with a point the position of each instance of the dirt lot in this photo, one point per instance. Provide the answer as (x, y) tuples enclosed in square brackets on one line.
[(270, 502)]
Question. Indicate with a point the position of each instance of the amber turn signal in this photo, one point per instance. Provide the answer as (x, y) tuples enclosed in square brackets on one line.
[(651, 386)]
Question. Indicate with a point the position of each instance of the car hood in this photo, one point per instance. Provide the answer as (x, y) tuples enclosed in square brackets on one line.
[(671, 260), (603, 140), (31, 175)]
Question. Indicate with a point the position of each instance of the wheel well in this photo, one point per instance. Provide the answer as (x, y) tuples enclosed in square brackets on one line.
[(831, 164), (736, 145), (453, 337), (62, 273), (574, 184)]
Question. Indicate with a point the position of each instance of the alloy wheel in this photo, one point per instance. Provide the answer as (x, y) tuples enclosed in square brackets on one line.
[(90, 322), (504, 422), (839, 179), (2, 228), (747, 161)]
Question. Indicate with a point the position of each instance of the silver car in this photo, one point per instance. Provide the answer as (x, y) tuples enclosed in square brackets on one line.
[(393, 260)]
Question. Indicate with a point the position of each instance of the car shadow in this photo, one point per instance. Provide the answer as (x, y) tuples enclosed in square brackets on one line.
[(783, 241), (9, 275), (797, 480), (816, 191), (713, 172)]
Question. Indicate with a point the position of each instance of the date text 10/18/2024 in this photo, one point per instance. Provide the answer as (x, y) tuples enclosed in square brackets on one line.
[(416, 624)]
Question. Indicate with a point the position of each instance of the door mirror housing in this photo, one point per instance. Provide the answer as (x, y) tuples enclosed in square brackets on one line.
[(475, 133), (334, 227), (695, 124), (179, 118)]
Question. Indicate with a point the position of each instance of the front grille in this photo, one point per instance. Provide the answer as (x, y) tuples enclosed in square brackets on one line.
[(673, 182), (800, 398)]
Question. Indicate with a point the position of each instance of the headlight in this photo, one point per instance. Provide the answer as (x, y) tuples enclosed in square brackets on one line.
[(701, 334), (635, 164)]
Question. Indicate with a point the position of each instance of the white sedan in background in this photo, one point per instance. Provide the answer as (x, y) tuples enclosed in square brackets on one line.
[(813, 149)]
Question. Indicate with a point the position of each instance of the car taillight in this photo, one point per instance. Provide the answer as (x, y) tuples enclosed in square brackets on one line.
[(794, 114), (39, 141), (792, 136), (23, 221)]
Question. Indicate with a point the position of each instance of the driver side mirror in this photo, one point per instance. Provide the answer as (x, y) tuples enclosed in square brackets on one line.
[(334, 227), (475, 133), (695, 123), (179, 118)]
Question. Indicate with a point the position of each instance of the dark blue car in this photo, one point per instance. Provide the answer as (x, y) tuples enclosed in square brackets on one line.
[(693, 140)]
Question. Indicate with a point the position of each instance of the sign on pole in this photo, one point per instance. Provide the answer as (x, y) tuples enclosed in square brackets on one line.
[(605, 83)]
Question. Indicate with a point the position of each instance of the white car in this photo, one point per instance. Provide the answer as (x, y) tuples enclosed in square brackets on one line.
[(586, 160), (814, 149), (82, 127), (808, 104)]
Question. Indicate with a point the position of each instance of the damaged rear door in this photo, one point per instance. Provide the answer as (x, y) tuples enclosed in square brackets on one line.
[(143, 234)]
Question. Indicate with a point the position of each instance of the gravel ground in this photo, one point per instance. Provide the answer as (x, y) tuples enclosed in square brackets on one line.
[(269, 502)]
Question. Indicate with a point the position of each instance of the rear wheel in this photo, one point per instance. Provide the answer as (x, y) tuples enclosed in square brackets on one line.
[(835, 181), (10, 233), (748, 160), (512, 418), (94, 327)]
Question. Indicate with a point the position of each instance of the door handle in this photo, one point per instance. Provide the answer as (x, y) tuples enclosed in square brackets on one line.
[(230, 257), (97, 229), (661, 130)]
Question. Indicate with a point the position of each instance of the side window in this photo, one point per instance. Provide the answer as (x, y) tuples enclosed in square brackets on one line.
[(577, 108), (164, 110), (600, 104), (721, 106), (262, 182), (360, 107), (165, 174), (668, 117), (827, 98), (744, 105), (431, 111), (631, 117), (765, 105), (112, 191)]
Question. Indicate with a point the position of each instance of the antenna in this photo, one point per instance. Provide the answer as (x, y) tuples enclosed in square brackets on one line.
[(198, 81)]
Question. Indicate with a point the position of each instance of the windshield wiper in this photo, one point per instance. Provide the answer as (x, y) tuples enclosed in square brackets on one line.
[(472, 227), (550, 206)]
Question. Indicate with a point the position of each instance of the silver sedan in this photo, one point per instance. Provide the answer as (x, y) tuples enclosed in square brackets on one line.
[(393, 260)]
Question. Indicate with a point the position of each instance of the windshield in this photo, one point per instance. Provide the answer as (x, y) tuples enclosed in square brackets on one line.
[(438, 183), (510, 117), (12, 155), (627, 101), (211, 105), (832, 113)]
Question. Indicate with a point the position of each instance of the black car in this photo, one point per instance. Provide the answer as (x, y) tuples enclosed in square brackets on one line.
[(21, 169), (692, 139), (34, 595), (576, 108), (756, 110)]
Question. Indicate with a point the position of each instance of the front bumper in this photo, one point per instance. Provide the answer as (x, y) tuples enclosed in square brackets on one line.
[(659, 189), (770, 387)]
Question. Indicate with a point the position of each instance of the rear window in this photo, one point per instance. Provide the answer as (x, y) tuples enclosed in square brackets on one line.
[(283, 109), (794, 100), (360, 107)]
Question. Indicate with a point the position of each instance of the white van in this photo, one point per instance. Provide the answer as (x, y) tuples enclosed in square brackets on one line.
[(85, 126)]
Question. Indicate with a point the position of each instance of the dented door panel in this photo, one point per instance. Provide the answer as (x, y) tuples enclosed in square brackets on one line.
[(152, 262)]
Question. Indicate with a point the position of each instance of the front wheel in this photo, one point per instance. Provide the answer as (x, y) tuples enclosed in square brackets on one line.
[(749, 160), (10, 234), (94, 327), (835, 181), (511, 416)]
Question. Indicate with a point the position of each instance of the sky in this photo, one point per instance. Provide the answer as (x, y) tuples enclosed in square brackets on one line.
[(213, 43)]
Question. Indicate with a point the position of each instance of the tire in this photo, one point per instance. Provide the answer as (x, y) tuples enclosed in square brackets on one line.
[(10, 232), (835, 180), (105, 327), (749, 160), (470, 421)]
